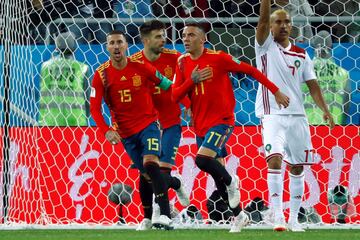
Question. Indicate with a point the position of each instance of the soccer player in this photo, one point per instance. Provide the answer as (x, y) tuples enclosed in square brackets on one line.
[(286, 135), (203, 75), (126, 86), (152, 34)]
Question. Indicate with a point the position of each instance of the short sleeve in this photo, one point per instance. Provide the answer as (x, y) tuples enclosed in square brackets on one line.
[(309, 72), (262, 49)]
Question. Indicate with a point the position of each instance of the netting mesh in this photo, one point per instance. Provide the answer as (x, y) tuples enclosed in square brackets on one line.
[(56, 167)]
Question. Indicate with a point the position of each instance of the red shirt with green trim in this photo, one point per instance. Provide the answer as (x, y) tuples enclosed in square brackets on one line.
[(128, 94), (169, 111)]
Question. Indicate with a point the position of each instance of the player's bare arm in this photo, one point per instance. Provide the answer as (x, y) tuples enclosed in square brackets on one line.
[(280, 98), (316, 94), (263, 27)]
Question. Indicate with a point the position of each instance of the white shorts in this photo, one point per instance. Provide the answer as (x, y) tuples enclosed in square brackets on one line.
[(287, 136)]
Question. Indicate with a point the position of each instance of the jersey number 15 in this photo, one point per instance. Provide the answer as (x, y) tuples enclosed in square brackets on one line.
[(125, 95)]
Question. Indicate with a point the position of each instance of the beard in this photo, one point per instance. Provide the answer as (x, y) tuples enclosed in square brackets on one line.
[(157, 50)]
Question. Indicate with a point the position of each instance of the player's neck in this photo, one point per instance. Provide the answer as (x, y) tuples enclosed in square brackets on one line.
[(197, 53), (151, 56), (119, 64), (284, 43)]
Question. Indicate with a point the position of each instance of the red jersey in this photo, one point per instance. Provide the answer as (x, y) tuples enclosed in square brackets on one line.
[(127, 94), (212, 101), (169, 111)]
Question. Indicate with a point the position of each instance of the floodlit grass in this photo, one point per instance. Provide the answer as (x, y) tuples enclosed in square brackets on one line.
[(176, 235)]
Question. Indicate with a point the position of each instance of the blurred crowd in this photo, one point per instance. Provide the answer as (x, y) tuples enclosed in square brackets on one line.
[(82, 16)]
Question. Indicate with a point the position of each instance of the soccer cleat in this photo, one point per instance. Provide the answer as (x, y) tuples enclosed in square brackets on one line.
[(155, 215), (295, 226), (164, 223), (144, 225), (279, 224), (239, 222), (233, 192), (181, 194)]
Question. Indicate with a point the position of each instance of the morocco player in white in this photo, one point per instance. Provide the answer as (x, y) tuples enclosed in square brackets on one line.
[(286, 135)]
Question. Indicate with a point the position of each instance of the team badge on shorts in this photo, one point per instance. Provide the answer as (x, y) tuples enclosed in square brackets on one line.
[(268, 147)]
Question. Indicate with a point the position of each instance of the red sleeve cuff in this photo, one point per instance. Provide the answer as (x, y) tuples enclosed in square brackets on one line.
[(186, 102), (179, 92), (105, 129), (273, 88)]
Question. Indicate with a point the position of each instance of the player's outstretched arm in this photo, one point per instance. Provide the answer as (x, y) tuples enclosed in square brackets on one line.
[(234, 65), (316, 94), (263, 27)]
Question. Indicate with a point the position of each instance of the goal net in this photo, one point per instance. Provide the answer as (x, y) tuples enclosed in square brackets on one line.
[(57, 168)]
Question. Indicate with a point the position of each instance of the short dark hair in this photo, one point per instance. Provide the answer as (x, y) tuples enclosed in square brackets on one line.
[(117, 32), (197, 25), (148, 26)]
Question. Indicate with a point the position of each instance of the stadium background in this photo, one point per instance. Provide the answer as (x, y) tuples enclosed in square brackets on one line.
[(47, 164)]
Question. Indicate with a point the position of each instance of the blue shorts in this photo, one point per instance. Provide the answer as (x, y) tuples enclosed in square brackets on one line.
[(146, 142), (170, 141), (216, 138)]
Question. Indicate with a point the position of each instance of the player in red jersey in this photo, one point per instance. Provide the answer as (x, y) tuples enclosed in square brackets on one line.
[(126, 87), (164, 60), (203, 75)]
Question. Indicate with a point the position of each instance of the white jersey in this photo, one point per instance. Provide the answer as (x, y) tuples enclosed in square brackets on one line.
[(287, 68)]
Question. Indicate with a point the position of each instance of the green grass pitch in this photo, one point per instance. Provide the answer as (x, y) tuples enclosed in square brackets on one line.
[(112, 234)]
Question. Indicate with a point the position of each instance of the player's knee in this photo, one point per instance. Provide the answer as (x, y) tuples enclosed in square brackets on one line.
[(221, 161), (151, 159), (165, 166), (274, 162), (201, 161), (296, 170), (165, 170), (151, 169)]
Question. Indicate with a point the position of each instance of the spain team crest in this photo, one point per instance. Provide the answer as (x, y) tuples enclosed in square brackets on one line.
[(168, 72), (136, 80)]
